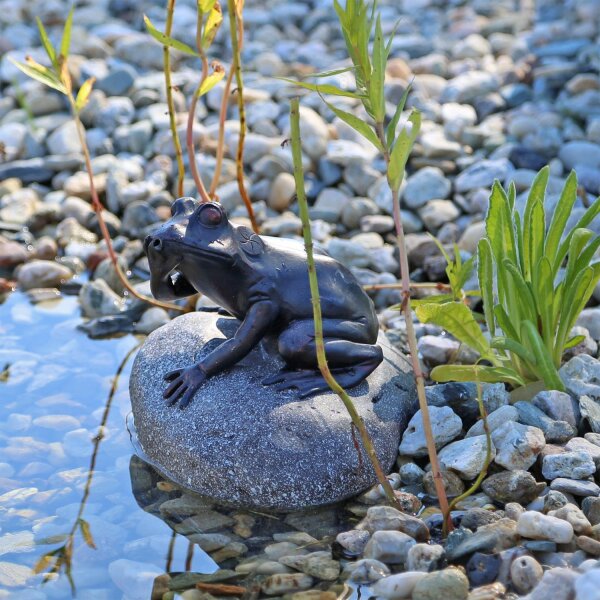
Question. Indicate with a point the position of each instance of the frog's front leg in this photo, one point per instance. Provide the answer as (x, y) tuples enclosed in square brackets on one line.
[(183, 383)]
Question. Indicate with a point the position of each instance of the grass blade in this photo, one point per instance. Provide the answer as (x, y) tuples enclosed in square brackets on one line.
[(485, 274), (165, 40), (357, 124), (561, 215), (65, 43), (401, 150), (485, 374)]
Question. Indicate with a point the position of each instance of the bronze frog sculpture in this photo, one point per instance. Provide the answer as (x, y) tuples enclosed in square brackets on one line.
[(262, 281)]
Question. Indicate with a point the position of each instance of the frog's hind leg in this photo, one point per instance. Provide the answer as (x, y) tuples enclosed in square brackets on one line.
[(351, 359)]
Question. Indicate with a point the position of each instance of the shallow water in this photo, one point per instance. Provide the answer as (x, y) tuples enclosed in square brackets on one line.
[(73, 489), (53, 396)]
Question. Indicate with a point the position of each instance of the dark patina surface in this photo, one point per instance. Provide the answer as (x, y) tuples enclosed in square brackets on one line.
[(263, 282)]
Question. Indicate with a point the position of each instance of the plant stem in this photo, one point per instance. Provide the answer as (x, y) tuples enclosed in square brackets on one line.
[(316, 302), (221, 141), (170, 104), (415, 286), (412, 343), (192, 112), (98, 208), (236, 31), (488, 457)]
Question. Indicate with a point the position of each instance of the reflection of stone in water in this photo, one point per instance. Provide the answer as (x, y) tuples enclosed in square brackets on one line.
[(248, 542)]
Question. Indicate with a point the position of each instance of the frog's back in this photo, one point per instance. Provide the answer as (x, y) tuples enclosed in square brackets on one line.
[(341, 295)]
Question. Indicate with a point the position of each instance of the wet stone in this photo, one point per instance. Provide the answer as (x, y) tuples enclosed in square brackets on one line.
[(450, 584), (389, 547), (366, 570), (398, 586)]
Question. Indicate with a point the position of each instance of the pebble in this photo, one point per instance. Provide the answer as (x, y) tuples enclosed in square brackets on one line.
[(557, 583), (365, 571), (276, 585), (450, 584), (426, 184), (282, 192), (445, 424), (398, 586), (512, 486), (573, 465), (525, 573), (43, 274), (587, 585), (389, 547), (466, 457), (517, 445), (387, 518), (537, 526), (425, 557)]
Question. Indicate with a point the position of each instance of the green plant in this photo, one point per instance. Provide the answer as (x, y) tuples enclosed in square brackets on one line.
[(209, 21), (458, 273), (530, 301), (316, 302), (359, 24), (58, 77)]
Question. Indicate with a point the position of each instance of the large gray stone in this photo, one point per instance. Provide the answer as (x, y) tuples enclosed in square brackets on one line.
[(246, 444)]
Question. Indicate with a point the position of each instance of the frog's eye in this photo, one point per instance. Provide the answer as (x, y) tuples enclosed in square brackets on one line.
[(210, 215)]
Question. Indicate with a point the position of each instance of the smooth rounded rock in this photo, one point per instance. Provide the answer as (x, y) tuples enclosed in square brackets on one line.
[(525, 573), (536, 526), (249, 445), (449, 584)]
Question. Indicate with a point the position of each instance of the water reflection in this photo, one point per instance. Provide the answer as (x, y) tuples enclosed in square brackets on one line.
[(53, 397)]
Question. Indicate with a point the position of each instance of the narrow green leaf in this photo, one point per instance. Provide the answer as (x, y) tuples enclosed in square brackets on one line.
[(165, 40), (390, 130), (544, 290), (40, 73), (524, 293), (212, 80), (510, 345), (433, 299), (578, 241), (590, 214), (544, 364), (47, 44), (330, 73), (206, 6), (562, 211), (84, 92), (401, 150), (458, 320), (485, 273), (377, 78), (86, 533), (321, 88), (574, 341), (505, 323), (357, 124), (65, 43), (213, 22), (530, 222), (537, 230), (445, 373)]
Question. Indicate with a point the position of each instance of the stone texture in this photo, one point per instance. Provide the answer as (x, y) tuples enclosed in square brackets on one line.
[(246, 444)]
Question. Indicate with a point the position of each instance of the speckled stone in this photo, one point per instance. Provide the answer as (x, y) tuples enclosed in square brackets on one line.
[(249, 445)]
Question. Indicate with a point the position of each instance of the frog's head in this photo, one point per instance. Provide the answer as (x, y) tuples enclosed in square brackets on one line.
[(196, 239)]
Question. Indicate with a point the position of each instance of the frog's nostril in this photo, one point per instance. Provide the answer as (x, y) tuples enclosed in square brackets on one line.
[(157, 244)]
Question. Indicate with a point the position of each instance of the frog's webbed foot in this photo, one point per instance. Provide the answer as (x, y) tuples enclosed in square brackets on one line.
[(183, 385), (310, 381)]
